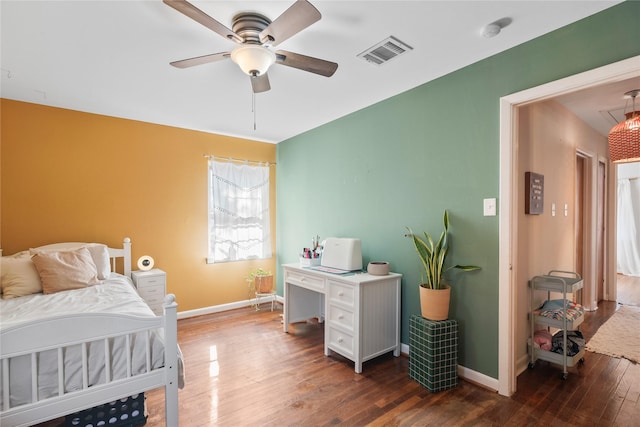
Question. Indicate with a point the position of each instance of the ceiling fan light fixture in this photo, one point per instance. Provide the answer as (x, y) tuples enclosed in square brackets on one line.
[(253, 59), (624, 138)]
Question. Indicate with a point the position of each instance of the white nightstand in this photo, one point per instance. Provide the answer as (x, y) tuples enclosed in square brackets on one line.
[(151, 286)]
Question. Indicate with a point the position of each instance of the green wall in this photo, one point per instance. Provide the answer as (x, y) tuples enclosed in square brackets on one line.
[(401, 162)]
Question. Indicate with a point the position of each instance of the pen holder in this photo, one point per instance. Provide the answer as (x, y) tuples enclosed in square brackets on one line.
[(309, 262)]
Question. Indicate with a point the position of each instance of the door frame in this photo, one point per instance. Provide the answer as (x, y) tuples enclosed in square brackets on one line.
[(589, 198), (508, 224)]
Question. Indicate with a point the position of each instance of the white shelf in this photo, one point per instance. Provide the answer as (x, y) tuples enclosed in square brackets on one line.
[(557, 358), (564, 282), (571, 325)]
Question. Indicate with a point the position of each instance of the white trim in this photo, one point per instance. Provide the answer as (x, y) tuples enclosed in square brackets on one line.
[(478, 378), (222, 307), (617, 71), (610, 289), (404, 349), (506, 252), (589, 261)]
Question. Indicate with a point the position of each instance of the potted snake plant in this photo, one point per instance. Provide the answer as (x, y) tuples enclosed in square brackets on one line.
[(435, 294)]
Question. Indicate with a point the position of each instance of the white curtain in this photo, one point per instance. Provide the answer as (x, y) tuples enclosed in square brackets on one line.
[(239, 220), (628, 226)]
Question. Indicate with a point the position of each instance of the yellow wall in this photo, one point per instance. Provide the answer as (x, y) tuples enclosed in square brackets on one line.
[(73, 176)]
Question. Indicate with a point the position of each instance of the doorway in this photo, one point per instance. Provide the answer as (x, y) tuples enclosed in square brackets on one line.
[(616, 72), (590, 228), (580, 231)]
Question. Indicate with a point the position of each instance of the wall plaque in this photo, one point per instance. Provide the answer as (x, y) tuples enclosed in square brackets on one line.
[(534, 193)]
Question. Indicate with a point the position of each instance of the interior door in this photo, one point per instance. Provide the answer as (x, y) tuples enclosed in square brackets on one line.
[(579, 224)]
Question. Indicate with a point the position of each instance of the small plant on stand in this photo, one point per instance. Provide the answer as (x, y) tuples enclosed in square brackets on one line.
[(260, 282)]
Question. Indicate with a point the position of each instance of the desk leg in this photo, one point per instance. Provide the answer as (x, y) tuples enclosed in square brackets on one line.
[(327, 352), (285, 308)]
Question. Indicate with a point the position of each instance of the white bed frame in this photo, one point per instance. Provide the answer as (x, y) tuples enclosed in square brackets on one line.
[(33, 337)]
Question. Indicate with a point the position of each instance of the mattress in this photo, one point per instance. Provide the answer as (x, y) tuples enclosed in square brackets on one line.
[(114, 295)]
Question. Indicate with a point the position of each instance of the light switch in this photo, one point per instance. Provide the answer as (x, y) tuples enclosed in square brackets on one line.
[(490, 207), (553, 209)]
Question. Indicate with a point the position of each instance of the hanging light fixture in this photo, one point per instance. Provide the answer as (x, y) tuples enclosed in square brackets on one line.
[(624, 138), (253, 59)]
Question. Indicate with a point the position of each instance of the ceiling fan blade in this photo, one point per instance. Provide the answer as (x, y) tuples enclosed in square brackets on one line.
[(296, 18), (306, 63), (199, 16), (199, 60), (260, 83)]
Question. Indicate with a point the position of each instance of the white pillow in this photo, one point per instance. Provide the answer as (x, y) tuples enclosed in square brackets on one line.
[(19, 277), (99, 253)]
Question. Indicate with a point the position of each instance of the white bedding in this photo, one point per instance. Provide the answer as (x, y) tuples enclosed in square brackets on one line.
[(114, 295)]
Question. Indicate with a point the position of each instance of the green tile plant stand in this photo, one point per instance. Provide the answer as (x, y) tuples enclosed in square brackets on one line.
[(433, 357)]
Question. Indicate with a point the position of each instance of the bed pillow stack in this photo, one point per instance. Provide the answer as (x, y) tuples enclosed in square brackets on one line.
[(54, 268), (98, 251)]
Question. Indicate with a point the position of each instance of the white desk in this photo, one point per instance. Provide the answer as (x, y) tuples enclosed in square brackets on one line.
[(362, 310)]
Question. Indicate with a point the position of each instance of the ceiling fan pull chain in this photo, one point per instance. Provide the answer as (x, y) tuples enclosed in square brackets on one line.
[(253, 108)]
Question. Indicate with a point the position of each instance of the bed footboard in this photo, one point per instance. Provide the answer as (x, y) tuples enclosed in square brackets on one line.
[(41, 345)]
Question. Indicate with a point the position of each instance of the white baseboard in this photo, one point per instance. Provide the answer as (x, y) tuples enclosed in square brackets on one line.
[(478, 378), (404, 349), (466, 373), (222, 307), (522, 364)]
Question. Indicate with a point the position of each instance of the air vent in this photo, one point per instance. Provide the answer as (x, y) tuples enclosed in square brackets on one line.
[(384, 51)]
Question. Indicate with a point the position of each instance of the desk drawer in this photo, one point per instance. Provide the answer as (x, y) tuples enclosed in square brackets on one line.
[(341, 342), (306, 281), (342, 294), (341, 317)]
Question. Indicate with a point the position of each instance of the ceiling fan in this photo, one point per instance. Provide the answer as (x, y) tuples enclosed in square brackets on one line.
[(255, 35)]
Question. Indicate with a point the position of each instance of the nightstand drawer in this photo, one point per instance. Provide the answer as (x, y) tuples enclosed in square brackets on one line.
[(151, 281), (148, 294), (152, 290), (154, 300)]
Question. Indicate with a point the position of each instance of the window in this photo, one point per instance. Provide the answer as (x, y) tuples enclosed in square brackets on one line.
[(239, 222)]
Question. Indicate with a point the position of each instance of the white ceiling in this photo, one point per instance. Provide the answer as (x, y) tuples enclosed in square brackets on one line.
[(112, 58)]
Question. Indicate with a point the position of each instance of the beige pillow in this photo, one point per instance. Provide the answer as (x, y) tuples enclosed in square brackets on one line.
[(65, 270), (19, 277), (99, 254)]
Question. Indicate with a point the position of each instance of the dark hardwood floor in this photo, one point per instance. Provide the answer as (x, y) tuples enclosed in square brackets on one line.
[(242, 370)]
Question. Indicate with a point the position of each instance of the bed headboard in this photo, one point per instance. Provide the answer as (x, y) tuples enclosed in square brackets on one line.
[(125, 253)]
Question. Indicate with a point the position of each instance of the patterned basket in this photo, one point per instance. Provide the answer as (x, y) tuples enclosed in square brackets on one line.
[(127, 412)]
